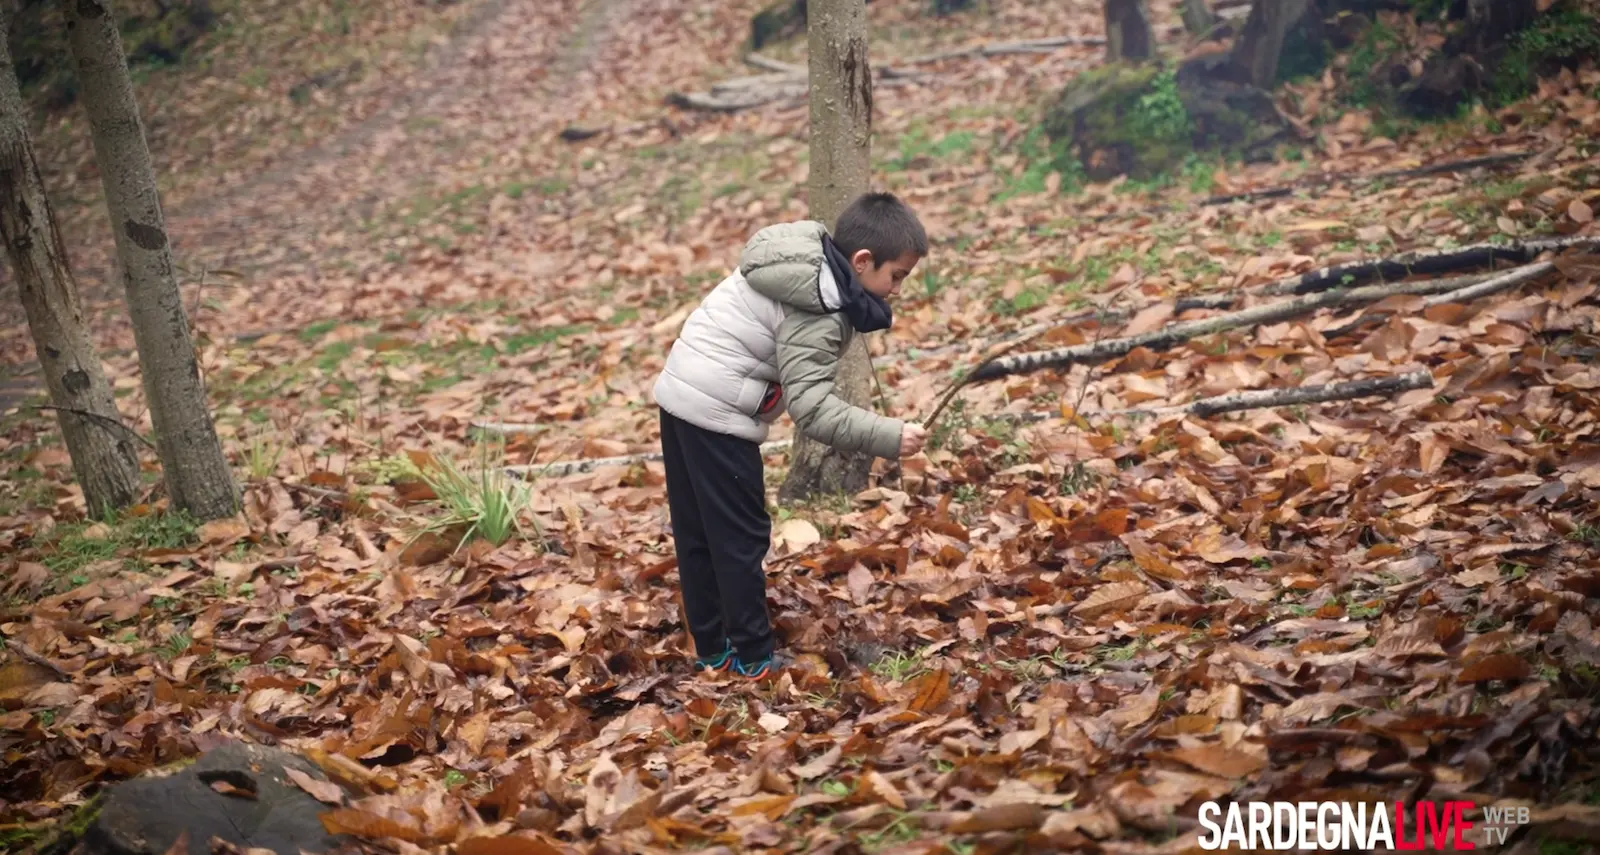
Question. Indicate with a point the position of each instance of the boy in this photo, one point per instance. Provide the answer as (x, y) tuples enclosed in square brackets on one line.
[(769, 338)]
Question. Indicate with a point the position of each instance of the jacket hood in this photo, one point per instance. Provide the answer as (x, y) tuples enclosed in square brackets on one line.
[(786, 263)]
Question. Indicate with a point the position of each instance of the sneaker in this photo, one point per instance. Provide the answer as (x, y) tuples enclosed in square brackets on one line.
[(760, 670), (721, 662)]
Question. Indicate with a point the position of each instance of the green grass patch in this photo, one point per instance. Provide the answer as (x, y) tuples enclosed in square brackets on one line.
[(520, 342), (75, 546)]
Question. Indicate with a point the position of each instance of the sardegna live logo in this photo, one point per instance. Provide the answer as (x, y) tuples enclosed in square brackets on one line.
[(1434, 826)]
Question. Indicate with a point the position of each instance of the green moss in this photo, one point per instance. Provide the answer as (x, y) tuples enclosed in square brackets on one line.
[(1120, 118), (1556, 40)]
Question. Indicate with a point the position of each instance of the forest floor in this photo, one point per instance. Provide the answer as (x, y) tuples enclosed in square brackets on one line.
[(1061, 633)]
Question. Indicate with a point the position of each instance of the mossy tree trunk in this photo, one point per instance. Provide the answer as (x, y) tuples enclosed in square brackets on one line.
[(197, 476), (1255, 54), (104, 457), (1128, 33), (841, 145)]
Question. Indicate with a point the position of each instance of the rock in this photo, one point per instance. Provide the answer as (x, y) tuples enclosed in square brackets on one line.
[(262, 808)]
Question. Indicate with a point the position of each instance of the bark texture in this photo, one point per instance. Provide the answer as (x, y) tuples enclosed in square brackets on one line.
[(1128, 33), (1260, 44), (841, 139), (104, 459), (197, 476)]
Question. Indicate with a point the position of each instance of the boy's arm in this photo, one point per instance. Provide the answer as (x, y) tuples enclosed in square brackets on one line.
[(808, 356)]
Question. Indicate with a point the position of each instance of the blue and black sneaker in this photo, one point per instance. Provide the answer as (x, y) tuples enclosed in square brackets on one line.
[(720, 662), (761, 669)]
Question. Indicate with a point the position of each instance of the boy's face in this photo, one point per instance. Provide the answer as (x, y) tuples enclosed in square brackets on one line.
[(882, 279)]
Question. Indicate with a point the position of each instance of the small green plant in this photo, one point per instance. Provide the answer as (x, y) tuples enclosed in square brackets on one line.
[(175, 646), (1078, 478), (1587, 534), (454, 778), (1159, 114), (262, 457), (898, 666), (835, 788), (488, 503)]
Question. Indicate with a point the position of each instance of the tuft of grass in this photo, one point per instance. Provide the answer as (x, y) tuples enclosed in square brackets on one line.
[(261, 458), (488, 503), (898, 666)]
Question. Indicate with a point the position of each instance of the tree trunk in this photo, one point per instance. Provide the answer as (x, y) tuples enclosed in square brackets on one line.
[(1197, 17), (1128, 33), (1255, 54), (197, 476), (841, 138), (104, 458), (1489, 22)]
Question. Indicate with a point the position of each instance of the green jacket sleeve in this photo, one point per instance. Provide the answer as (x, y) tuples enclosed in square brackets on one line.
[(809, 345)]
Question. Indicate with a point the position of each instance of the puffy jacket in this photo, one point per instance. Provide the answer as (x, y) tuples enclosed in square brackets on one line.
[(773, 327)]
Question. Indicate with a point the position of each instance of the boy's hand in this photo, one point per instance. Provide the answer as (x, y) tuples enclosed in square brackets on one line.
[(912, 437)]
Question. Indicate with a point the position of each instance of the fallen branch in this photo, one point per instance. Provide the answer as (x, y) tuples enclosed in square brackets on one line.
[(1255, 400), (1503, 282), (96, 417), (1388, 175), (790, 82), (1457, 282), (1202, 407), (1426, 262), (1047, 45), (769, 64), (1283, 310), (563, 468)]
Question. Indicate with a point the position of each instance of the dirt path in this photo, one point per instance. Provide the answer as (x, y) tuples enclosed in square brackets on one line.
[(512, 71)]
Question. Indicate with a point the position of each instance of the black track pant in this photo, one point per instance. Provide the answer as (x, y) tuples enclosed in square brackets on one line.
[(721, 531)]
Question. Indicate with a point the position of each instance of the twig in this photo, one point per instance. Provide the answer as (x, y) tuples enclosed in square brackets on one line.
[(1270, 313), (1416, 172), (29, 654), (964, 379), (105, 420)]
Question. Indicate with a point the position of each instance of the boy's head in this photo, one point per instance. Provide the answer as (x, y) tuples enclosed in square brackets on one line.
[(883, 239)]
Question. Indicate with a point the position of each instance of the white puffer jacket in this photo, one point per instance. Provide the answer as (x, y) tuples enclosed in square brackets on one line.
[(774, 321)]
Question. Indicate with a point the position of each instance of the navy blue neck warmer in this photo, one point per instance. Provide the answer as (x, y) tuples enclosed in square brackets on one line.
[(867, 311)]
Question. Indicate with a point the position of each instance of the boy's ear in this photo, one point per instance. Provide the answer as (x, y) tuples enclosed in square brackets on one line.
[(861, 260)]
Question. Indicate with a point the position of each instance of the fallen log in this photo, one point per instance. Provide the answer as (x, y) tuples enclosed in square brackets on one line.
[(1282, 310), (1422, 262), (1387, 175)]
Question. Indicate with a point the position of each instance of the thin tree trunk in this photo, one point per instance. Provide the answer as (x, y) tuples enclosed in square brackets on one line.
[(197, 475), (1198, 18), (1260, 43), (104, 459), (1128, 33), (841, 134)]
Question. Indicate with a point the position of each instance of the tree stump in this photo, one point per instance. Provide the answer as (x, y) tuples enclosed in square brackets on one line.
[(145, 816)]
